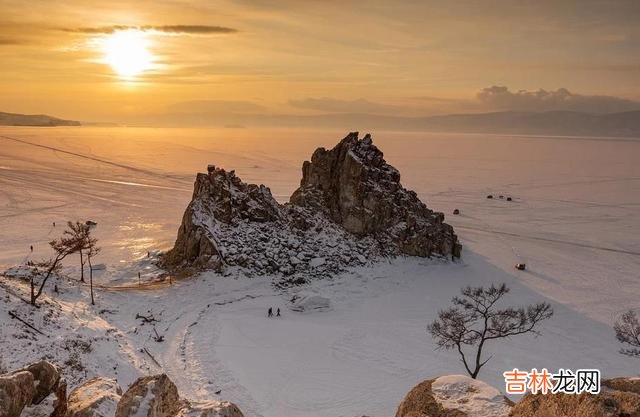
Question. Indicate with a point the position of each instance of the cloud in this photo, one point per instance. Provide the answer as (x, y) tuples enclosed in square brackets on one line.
[(11, 41), (169, 29), (501, 98)]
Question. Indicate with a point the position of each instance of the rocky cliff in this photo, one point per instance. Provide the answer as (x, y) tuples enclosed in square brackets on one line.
[(349, 210)]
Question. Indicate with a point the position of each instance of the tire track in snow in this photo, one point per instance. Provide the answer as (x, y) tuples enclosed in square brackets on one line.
[(547, 239), (93, 158)]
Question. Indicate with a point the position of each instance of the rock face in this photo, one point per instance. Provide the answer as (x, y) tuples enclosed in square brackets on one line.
[(359, 190), (454, 396), (618, 398), (97, 397), (150, 396), (350, 209)]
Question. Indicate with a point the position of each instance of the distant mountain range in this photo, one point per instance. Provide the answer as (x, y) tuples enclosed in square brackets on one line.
[(561, 123), (552, 123), (13, 119)]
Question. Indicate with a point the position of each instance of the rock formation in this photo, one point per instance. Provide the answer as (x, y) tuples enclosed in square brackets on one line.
[(149, 396), (350, 209), (27, 387), (356, 187), (454, 396)]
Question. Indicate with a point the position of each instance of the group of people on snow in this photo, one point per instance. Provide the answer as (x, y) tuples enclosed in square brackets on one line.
[(270, 312)]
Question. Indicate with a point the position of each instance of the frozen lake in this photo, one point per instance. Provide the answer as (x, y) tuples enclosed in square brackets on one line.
[(575, 218)]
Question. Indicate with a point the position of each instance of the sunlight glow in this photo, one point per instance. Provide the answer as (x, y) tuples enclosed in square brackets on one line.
[(127, 52)]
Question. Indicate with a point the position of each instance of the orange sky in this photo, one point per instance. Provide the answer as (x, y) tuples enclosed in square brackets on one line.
[(306, 57)]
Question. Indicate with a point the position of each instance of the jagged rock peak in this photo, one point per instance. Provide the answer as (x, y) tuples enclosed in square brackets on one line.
[(349, 210), (359, 190)]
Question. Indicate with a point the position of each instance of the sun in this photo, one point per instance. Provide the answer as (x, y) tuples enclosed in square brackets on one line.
[(127, 52)]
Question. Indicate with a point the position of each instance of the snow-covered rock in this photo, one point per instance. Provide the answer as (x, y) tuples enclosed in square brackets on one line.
[(350, 209), (150, 396), (98, 397), (454, 396)]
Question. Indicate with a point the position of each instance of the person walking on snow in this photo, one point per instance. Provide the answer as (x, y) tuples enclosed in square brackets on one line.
[(270, 312), (278, 312)]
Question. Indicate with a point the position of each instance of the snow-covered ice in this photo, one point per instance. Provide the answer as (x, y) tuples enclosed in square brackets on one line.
[(574, 220)]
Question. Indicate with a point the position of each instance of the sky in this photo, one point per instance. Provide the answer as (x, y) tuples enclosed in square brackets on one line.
[(78, 59)]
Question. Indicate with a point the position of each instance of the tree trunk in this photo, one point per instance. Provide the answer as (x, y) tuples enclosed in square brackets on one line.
[(81, 266), (93, 301)]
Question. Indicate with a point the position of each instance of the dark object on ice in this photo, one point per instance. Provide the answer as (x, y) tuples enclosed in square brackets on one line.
[(218, 392), (501, 196), (509, 199), (54, 224), (31, 247), (278, 312), (270, 312), (521, 267), (456, 211), (490, 196), (90, 223)]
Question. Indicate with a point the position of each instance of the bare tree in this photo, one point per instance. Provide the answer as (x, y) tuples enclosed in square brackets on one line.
[(628, 333), (62, 247), (92, 250), (475, 319), (79, 233)]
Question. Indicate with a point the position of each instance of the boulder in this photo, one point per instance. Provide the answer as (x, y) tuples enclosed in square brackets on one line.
[(17, 390), (211, 409), (46, 377), (454, 396), (609, 403), (150, 396), (97, 397)]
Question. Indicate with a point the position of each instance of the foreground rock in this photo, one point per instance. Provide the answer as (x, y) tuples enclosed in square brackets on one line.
[(211, 409), (454, 396), (97, 397), (16, 392), (350, 209), (40, 391), (28, 386), (46, 377), (150, 396), (618, 398)]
